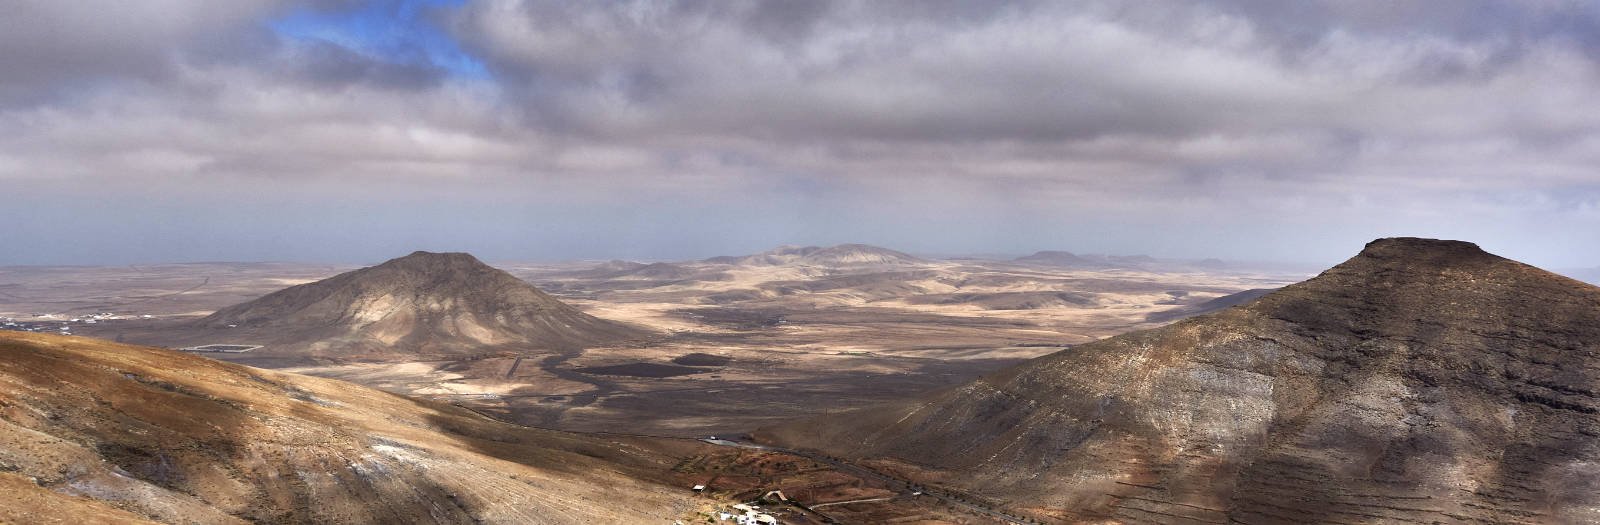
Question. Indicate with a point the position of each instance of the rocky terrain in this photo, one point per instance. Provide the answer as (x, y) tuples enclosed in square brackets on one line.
[(420, 304), (1421, 381), (99, 432)]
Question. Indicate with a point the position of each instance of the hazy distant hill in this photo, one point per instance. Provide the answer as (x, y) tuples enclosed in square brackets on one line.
[(843, 255), (97, 432), (1421, 381), (423, 303), (1054, 258), (1071, 260), (610, 268)]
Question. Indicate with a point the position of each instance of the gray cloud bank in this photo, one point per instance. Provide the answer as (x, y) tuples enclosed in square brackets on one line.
[(1234, 128)]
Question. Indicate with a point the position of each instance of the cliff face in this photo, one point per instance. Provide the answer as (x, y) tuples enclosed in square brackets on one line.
[(423, 303), (1420, 381)]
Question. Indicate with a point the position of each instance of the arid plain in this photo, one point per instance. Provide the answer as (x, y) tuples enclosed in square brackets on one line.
[(737, 343)]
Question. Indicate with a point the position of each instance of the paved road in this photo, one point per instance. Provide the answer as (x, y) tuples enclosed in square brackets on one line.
[(906, 485), (820, 505)]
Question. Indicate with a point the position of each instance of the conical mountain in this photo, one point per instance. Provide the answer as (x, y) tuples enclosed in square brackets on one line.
[(423, 303), (1422, 381)]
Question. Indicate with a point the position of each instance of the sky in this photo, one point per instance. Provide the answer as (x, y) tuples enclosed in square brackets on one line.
[(359, 130)]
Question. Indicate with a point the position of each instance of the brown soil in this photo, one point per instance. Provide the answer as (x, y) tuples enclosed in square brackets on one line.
[(98, 432), (1422, 381)]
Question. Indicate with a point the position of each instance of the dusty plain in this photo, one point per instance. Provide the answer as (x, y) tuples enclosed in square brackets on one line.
[(738, 346)]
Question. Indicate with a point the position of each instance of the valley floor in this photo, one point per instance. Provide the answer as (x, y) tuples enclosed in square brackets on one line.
[(784, 342)]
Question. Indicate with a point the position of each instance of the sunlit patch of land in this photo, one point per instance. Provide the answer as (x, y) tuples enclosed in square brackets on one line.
[(799, 339)]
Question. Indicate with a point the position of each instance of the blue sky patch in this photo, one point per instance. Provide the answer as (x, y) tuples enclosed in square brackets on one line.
[(393, 31)]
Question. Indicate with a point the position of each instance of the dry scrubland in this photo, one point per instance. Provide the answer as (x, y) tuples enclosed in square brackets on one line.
[(108, 432), (1420, 382), (802, 331)]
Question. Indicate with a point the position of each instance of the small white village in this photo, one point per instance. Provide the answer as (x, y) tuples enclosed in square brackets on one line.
[(741, 514), (58, 323), (746, 515)]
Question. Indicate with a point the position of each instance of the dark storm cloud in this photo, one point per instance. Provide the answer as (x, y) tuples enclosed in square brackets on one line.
[(1182, 125), (977, 71)]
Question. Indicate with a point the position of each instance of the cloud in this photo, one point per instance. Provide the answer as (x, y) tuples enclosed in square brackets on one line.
[(1204, 116)]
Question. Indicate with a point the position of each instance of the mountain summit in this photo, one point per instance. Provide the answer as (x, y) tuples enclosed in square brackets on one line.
[(1420, 381), (423, 303)]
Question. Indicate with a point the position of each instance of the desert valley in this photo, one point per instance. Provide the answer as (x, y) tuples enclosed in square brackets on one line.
[(724, 345), (777, 262), (861, 383)]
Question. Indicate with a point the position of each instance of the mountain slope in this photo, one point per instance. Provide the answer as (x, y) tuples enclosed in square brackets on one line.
[(102, 428), (1226, 301), (423, 303), (1421, 381)]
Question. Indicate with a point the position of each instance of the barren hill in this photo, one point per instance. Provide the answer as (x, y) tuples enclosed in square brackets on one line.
[(99, 432), (1422, 381), (423, 303), (842, 255), (1072, 260), (1055, 258), (610, 268)]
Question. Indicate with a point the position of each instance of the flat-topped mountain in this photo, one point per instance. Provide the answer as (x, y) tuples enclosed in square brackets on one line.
[(1054, 258), (842, 255), (100, 432), (1421, 381), (1066, 259), (1226, 301), (423, 303)]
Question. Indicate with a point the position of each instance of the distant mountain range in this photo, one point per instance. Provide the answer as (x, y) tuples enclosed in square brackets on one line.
[(1071, 260), (1421, 381), (843, 255), (863, 256)]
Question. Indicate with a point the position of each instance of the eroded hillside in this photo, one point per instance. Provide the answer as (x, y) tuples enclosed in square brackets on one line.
[(93, 432), (1420, 382)]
